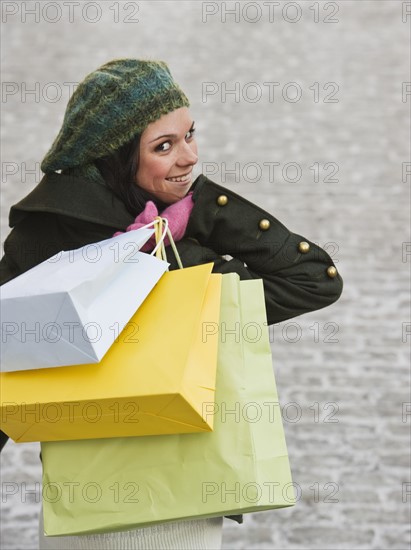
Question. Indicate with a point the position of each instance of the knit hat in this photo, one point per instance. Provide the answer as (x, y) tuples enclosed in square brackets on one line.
[(108, 108)]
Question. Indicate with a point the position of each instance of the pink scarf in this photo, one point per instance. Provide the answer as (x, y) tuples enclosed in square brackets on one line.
[(177, 215)]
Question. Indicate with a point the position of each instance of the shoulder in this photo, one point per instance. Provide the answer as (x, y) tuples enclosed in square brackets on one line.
[(74, 198), (223, 203)]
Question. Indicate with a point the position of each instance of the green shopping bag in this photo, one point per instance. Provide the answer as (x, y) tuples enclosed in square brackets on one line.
[(102, 485)]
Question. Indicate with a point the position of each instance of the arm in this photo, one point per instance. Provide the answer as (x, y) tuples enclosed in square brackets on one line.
[(298, 275)]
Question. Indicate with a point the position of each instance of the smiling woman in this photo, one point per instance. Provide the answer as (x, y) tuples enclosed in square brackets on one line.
[(167, 158), (125, 153)]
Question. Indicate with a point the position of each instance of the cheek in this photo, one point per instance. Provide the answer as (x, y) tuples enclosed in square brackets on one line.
[(159, 168)]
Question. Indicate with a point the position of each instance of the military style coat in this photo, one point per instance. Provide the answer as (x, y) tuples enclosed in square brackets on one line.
[(64, 213)]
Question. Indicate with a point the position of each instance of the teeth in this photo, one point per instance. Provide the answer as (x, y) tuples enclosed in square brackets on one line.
[(178, 179)]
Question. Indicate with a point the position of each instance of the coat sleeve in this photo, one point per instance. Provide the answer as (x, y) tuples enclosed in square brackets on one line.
[(298, 275)]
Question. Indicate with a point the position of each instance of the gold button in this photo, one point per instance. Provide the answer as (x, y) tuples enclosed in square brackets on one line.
[(332, 272), (222, 200), (303, 247), (264, 225)]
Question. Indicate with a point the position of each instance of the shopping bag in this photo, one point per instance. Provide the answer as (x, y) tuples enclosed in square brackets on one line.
[(153, 380), (69, 309), (242, 466)]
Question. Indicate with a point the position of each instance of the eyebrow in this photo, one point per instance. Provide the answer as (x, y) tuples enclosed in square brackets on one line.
[(170, 135)]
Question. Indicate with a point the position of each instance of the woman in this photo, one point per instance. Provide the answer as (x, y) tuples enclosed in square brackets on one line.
[(126, 152)]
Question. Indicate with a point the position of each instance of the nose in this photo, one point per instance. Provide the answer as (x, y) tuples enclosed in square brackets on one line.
[(188, 154)]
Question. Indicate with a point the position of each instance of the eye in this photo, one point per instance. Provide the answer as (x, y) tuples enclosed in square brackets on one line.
[(190, 133), (162, 146)]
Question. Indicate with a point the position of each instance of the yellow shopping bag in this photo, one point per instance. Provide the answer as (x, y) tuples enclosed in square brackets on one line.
[(153, 380)]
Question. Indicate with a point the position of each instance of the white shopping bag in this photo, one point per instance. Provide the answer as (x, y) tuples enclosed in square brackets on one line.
[(69, 309)]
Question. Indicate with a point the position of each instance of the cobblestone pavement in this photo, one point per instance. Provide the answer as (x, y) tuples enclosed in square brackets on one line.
[(336, 124)]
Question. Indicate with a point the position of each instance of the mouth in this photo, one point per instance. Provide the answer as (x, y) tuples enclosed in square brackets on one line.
[(183, 178)]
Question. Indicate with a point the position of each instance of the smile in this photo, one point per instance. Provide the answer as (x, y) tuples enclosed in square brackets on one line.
[(181, 179)]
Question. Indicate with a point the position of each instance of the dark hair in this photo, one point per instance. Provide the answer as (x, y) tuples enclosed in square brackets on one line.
[(119, 172)]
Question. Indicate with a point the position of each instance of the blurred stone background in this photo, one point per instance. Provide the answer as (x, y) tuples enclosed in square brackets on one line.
[(337, 125)]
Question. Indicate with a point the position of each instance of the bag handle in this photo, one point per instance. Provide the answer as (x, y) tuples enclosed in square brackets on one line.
[(161, 229)]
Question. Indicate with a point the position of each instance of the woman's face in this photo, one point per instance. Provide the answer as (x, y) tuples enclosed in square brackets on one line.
[(168, 152)]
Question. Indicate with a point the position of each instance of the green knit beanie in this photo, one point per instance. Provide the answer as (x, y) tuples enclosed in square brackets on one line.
[(108, 108)]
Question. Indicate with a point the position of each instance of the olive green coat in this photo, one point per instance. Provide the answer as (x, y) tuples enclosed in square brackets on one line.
[(64, 213)]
